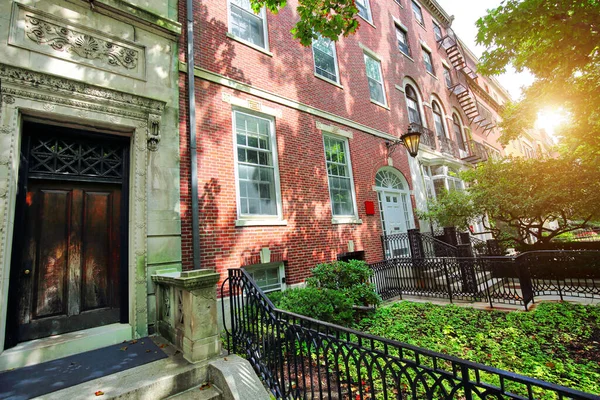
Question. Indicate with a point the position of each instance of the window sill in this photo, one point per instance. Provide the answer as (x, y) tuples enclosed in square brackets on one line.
[(260, 222), (421, 24), (436, 78), (328, 80), (247, 43), (407, 56), (346, 220), (380, 104), (367, 21)]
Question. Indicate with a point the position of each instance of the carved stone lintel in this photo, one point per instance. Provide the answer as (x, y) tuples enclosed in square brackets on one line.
[(8, 99), (153, 132)]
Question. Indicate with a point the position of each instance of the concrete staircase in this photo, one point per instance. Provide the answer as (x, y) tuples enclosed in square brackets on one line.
[(227, 378)]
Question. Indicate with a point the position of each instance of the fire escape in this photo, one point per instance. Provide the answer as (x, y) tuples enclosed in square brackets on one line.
[(476, 113)]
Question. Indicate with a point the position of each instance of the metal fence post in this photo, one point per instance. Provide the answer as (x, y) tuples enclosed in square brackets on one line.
[(466, 382), (447, 279)]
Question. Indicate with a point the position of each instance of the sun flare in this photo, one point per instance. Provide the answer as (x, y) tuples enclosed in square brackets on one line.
[(550, 118)]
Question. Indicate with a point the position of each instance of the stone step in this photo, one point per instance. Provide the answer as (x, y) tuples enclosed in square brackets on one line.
[(156, 380), (201, 392)]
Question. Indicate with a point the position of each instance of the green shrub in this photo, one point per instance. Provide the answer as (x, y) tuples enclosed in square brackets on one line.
[(319, 303), (275, 297), (350, 278)]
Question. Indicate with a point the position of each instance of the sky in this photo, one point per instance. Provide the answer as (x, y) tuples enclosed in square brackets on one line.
[(466, 13)]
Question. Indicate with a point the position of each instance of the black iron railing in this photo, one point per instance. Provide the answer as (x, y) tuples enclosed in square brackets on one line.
[(415, 244), (427, 135), (303, 358), (496, 280)]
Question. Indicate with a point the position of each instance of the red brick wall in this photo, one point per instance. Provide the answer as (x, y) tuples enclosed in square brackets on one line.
[(309, 236)]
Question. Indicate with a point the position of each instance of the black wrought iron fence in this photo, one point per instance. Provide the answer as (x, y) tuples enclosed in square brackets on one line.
[(303, 358), (497, 280), (415, 244)]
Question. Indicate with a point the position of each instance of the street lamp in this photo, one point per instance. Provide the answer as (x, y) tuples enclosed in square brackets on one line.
[(410, 140)]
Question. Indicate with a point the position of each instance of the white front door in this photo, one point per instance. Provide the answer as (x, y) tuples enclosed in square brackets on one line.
[(395, 221), (393, 213)]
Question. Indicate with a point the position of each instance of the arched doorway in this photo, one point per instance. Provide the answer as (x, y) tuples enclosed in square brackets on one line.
[(395, 208)]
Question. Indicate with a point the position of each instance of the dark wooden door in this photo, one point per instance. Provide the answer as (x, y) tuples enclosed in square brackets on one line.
[(69, 269)]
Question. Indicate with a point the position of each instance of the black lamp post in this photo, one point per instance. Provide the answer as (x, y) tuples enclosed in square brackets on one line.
[(410, 140)]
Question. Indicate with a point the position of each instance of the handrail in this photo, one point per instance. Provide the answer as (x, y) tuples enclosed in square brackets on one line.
[(287, 348)]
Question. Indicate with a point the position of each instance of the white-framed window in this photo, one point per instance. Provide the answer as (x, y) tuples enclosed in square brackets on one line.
[(440, 179), (402, 38), (339, 174), (257, 171), (269, 277), (427, 60), (418, 13), (246, 25), (438, 120), (459, 133), (375, 78), (437, 32), (412, 104), (364, 9), (325, 59), (447, 77)]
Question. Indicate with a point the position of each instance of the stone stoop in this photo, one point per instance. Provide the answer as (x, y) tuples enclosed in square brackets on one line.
[(202, 392)]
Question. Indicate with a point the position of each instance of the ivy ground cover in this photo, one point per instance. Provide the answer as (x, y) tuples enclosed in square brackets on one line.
[(555, 342)]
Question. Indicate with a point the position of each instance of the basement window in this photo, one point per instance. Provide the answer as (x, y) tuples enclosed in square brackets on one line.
[(269, 277)]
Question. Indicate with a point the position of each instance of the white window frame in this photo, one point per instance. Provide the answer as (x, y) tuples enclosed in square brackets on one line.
[(280, 266), (423, 52), (435, 24), (447, 77), (262, 15), (419, 18), (378, 61), (342, 219), (405, 31), (335, 60), (256, 219), (368, 8)]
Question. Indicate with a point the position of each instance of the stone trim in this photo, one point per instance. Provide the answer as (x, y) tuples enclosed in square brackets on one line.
[(27, 93), (246, 88), (44, 33)]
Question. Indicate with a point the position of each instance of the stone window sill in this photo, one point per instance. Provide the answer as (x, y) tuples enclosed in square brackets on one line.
[(260, 222), (346, 220), (247, 43)]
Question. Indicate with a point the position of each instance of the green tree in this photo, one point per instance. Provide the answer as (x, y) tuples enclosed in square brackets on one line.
[(328, 18), (559, 42), (523, 197), (453, 208)]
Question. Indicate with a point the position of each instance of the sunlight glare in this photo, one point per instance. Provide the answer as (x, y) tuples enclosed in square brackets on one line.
[(550, 118)]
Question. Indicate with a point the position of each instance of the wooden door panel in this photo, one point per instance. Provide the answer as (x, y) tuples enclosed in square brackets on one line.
[(96, 257), (72, 248), (50, 271)]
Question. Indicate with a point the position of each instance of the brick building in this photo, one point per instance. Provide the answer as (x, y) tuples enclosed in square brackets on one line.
[(294, 162)]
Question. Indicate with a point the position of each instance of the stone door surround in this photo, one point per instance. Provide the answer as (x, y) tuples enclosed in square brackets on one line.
[(45, 98)]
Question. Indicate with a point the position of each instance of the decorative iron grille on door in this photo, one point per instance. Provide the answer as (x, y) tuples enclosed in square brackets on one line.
[(79, 159)]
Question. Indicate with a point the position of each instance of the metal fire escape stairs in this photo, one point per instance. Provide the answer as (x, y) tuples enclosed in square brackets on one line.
[(465, 96)]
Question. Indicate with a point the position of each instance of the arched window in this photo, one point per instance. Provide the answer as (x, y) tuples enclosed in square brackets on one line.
[(387, 179), (412, 103), (458, 132), (438, 119)]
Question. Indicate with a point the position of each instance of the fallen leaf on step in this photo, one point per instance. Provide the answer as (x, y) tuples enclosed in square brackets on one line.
[(124, 348), (133, 342), (148, 351), (204, 386), (225, 358), (99, 393), (162, 346)]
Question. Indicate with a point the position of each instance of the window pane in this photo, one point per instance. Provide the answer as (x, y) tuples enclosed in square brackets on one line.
[(324, 57), (363, 9), (427, 61), (340, 183), (447, 77), (417, 12), (437, 31), (439, 126), (246, 25), (256, 173), (413, 112), (374, 78), (402, 41)]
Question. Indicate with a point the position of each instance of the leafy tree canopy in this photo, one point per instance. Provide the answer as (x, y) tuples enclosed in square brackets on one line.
[(524, 197), (559, 42), (453, 208), (328, 18)]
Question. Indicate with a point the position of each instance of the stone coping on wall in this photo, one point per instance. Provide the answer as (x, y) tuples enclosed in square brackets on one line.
[(188, 280)]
